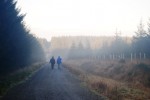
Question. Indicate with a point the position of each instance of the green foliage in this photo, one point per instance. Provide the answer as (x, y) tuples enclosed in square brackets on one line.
[(18, 47)]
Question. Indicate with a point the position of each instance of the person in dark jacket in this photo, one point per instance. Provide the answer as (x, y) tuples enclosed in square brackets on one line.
[(59, 61), (52, 61)]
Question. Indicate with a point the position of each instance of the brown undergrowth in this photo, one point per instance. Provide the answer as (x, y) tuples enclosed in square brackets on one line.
[(114, 79)]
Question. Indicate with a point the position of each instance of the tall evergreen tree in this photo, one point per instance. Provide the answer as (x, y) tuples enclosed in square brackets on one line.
[(17, 47), (141, 41), (148, 33), (141, 32), (118, 46)]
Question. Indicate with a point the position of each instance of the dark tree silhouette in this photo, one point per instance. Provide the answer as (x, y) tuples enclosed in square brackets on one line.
[(18, 47), (148, 33), (141, 41), (118, 46)]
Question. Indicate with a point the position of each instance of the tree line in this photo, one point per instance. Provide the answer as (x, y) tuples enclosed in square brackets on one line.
[(118, 48), (18, 47)]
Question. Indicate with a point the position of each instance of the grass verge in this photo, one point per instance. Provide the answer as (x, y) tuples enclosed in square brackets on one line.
[(17, 77)]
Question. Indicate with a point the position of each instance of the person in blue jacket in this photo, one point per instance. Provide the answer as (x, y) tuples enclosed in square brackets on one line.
[(59, 61)]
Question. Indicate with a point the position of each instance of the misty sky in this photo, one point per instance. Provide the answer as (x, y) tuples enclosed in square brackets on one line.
[(46, 18)]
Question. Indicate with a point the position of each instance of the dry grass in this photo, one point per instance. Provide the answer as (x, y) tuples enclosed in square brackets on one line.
[(116, 80)]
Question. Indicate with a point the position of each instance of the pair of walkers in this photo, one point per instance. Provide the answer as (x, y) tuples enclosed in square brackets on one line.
[(52, 61)]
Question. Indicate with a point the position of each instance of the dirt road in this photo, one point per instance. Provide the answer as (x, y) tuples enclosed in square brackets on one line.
[(48, 84)]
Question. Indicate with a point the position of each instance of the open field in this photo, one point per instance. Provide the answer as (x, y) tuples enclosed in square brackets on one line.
[(118, 80)]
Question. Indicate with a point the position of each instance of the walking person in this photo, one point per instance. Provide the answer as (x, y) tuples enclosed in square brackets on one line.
[(52, 61), (59, 62)]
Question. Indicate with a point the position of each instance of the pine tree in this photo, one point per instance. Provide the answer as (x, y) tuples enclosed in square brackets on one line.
[(141, 32), (148, 28), (141, 40), (17, 47)]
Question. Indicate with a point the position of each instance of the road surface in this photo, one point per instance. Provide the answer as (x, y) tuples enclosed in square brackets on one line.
[(48, 84)]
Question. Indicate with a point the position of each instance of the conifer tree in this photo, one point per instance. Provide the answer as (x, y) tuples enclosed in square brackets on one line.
[(17, 46)]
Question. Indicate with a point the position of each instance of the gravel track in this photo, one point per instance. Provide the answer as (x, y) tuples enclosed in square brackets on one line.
[(48, 84)]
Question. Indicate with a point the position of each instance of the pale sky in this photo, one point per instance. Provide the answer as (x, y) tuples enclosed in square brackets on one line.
[(46, 18)]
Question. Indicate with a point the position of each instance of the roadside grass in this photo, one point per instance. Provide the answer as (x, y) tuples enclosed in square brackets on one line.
[(17, 77), (114, 79)]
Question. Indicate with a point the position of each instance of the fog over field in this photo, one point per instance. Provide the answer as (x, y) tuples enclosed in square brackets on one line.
[(96, 48), (116, 67)]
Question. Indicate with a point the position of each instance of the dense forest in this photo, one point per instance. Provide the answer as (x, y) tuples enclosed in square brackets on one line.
[(18, 47), (115, 46)]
